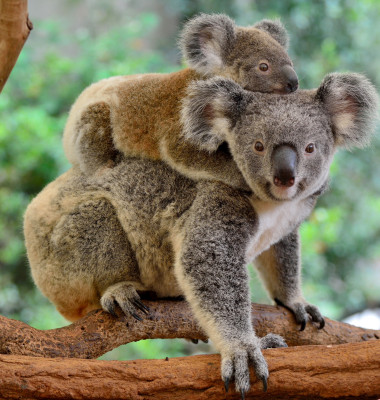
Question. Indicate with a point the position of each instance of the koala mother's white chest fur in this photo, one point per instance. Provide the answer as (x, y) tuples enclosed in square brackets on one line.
[(276, 220)]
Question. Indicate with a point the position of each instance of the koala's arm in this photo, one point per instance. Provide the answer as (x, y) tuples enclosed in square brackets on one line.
[(139, 116), (280, 269), (199, 164), (211, 270)]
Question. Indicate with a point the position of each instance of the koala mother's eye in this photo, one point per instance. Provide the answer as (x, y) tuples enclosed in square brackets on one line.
[(310, 148), (259, 146), (263, 67)]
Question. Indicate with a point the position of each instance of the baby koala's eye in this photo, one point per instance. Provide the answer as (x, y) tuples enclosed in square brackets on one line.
[(310, 148), (263, 67), (259, 146)]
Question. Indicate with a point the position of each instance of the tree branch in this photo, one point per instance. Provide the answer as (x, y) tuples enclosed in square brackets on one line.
[(99, 332), (348, 371), (15, 27)]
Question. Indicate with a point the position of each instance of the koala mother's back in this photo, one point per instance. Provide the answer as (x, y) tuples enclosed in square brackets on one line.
[(121, 108)]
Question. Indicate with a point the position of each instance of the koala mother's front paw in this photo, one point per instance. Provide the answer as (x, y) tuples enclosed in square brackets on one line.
[(125, 296), (239, 356), (303, 312)]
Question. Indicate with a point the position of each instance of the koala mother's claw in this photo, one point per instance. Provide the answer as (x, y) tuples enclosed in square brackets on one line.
[(226, 384), (265, 383), (240, 356), (138, 304), (303, 312), (303, 325), (125, 296)]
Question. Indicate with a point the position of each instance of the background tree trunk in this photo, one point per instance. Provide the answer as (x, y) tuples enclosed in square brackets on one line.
[(15, 27)]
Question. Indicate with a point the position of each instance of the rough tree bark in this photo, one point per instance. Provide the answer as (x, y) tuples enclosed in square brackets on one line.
[(15, 27), (348, 371), (99, 332)]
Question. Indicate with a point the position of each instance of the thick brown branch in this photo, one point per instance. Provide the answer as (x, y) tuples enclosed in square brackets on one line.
[(14, 30), (349, 371), (99, 332)]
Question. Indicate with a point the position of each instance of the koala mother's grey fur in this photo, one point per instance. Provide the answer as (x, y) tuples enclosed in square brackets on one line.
[(140, 226)]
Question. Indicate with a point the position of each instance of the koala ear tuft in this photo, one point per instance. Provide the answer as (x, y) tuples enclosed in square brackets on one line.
[(276, 29), (352, 102), (210, 110), (206, 40)]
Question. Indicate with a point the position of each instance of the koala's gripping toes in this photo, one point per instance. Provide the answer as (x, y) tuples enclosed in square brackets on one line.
[(141, 226), (237, 359), (124, 295), (139, 115)]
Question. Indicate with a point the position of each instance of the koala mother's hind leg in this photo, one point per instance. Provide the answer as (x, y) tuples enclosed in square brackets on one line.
[(103, 252), (79, 254)]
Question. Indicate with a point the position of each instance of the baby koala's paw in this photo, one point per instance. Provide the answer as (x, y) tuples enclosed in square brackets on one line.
[(239, 356), (304, 312), (125, 296)]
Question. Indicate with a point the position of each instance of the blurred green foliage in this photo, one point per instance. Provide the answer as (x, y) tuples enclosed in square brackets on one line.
[(340, 242)]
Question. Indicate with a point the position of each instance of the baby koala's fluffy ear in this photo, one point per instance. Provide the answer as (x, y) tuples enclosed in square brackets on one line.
[(276, 29), (205, 41), (352, 103), (210, 110)]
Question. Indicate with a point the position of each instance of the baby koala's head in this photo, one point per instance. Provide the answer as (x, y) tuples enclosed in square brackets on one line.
[(283, 145), (255, 57)]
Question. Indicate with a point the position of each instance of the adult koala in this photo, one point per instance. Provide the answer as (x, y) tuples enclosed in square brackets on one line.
[(141, 226)]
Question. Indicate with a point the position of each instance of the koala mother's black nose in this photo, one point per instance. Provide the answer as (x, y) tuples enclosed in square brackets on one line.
[(284, 160), (291, 78)]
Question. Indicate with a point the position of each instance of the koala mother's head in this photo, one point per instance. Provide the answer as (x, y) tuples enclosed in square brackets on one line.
[(283, 145)]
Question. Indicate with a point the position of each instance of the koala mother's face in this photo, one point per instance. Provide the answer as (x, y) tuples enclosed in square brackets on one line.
[(283, 145)]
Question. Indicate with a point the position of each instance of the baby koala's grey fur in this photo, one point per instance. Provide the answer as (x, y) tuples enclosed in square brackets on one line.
[(96, 240)]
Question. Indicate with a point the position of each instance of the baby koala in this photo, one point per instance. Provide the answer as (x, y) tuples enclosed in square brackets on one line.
[(96, 240), (139, 115)]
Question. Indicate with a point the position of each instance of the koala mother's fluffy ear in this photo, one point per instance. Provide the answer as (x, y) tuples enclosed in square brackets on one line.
[(210, 110), (275, 29), (205, 41), (351, 101)]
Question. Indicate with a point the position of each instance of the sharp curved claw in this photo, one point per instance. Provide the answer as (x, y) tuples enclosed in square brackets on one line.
[(226, 384), (322, 324), (242, 395), (137, 303), (303, 325), (134, 315), (265, 383), (111, 310)]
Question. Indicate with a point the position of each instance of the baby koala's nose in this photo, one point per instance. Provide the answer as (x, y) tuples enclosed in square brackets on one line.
[(292, 85), (291, 78)]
